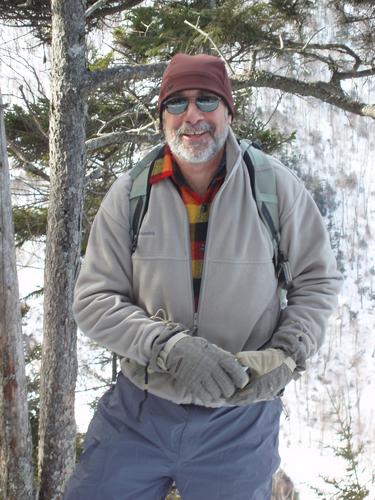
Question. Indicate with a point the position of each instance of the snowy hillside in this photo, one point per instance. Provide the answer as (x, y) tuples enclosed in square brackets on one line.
[(340, 150), (339, 384)]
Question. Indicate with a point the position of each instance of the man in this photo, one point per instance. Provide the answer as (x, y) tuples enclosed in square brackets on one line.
[(193, 310)]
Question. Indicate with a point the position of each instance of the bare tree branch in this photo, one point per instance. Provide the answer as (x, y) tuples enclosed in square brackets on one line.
[(119, 74), (274, 110), (8, 57), (94, 7), (26, 164), (102, 12), (326, 92), (207, 37), (121, 138), (145, 108), (38, 13), (311, 37), (342, 75), (33, 116)]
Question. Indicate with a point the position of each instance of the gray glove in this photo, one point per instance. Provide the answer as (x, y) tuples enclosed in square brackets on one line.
[(270, 371), (207, 371), (172, 331)]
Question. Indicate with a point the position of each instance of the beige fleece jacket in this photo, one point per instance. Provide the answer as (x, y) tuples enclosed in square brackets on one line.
[(117, 293)]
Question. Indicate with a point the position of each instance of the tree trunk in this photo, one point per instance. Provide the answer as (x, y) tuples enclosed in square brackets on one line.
[(67, 163), (16, 471)]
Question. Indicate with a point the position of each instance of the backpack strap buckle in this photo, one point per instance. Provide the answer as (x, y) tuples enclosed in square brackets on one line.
[(284, 272)]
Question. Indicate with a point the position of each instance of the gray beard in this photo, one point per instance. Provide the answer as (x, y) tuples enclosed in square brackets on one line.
[(191, 155)]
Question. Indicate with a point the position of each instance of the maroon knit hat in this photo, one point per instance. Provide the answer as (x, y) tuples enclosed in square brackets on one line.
[(204, 72)]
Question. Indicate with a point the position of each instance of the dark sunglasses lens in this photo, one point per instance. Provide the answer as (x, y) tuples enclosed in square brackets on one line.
[(176, 106), (207, 103)]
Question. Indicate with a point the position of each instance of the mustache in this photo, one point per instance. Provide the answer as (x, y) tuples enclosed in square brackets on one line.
[(195, 129)]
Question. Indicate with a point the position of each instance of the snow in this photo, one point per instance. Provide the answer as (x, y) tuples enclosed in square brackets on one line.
[(336, 146)]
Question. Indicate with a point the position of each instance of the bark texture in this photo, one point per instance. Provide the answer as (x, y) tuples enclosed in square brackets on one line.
[(16, 472), (67, 163)]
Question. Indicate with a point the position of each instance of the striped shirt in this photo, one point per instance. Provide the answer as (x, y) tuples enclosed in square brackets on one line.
[(197, 207)]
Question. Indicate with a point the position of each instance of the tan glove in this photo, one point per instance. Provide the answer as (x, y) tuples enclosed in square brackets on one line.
[(269, 372)]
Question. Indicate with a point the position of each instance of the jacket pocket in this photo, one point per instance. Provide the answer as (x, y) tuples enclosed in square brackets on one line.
[(266, 325)]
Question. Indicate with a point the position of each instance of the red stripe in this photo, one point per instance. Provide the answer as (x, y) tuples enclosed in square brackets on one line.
[(158, 177), (197, 250), (164, 169)]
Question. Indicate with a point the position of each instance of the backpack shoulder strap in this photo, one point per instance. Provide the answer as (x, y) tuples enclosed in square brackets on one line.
[(139, 193), (263, 185)]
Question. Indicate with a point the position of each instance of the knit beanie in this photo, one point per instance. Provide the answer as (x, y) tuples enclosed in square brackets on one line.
[(203, 72)]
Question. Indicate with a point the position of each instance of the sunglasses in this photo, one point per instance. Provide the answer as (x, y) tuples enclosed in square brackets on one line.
[(205, 103)]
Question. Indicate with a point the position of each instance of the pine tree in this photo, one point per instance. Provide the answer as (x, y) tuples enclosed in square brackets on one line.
[(348, 487)]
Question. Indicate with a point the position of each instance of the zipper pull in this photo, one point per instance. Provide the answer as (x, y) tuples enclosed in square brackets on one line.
[(195, 325)]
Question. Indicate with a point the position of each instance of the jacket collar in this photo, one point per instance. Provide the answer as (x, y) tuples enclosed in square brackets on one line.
[(233, 150)]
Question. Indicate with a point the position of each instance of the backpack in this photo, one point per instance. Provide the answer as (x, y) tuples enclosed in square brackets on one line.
[(263, 187)]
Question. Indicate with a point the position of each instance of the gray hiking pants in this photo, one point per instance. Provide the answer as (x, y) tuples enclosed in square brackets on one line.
[(226, 453)]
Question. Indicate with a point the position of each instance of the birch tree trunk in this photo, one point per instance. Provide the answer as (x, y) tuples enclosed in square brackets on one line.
[(16, 471), (67, 162)]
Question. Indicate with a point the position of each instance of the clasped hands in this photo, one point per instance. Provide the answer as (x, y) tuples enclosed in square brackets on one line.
[(211, 373), (270, 371)]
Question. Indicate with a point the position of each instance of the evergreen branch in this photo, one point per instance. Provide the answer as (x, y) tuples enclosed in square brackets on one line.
[(35, 293), (348, 452), (326, 92), (33, 116), (26, 164), (37, 12), (207, 37)]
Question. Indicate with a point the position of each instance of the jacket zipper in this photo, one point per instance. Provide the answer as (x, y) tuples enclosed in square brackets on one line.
[(187, 242), (195, 325), (204, 271), (196, 313), (212, 208)]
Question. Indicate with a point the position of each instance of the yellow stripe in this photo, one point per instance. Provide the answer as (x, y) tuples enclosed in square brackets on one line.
[(197, 268), (195, 214)]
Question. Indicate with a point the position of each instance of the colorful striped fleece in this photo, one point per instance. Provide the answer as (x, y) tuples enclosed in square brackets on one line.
[(197, 207)]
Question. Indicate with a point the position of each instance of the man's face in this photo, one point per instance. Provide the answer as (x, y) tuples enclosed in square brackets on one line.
[(195, 136)]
